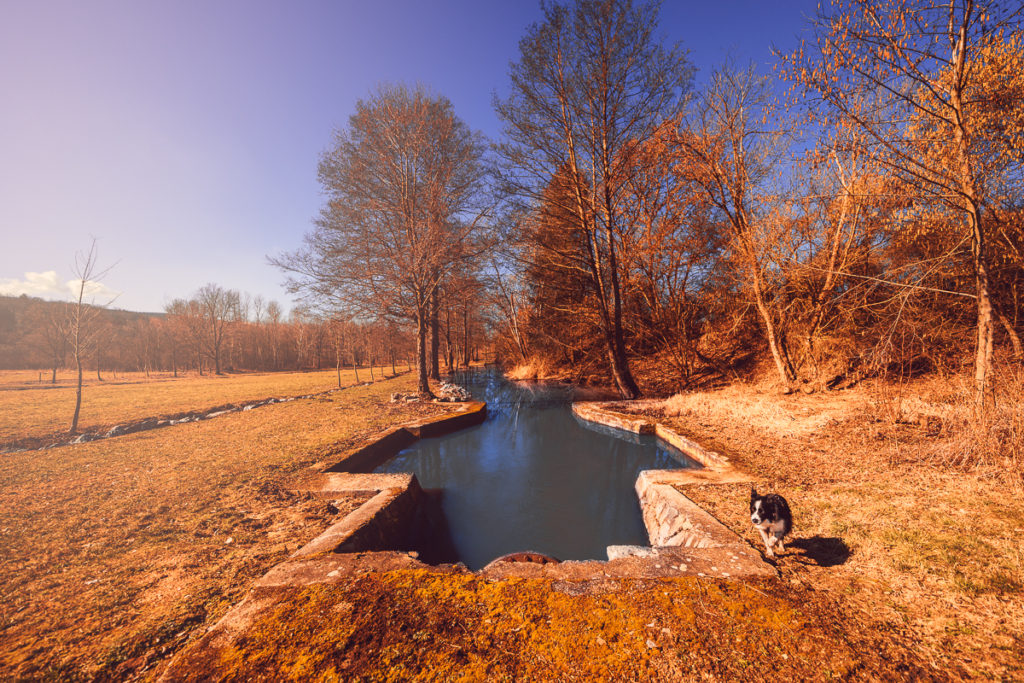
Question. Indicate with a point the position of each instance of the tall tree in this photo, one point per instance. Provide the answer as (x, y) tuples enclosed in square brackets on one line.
[(406, 205), (591, 85), (917, 63)]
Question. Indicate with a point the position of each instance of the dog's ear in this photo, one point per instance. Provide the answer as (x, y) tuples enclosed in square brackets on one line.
[(753, 493)]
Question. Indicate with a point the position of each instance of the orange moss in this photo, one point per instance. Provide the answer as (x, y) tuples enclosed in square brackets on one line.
[(430, 625)]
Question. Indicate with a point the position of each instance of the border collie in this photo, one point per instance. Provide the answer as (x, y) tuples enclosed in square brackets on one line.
[(771, 516)]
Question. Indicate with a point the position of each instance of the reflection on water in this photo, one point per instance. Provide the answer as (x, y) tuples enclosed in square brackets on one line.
[(533, 477)]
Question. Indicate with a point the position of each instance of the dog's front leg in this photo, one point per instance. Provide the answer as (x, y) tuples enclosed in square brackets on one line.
[(780, 544), (767, 541)]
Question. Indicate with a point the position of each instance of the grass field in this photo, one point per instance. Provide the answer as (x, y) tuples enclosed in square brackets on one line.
[(36, 411), (118, 551), (881, 519)]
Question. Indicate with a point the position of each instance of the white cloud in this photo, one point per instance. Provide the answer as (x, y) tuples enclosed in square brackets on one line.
[(48, 286), (95, 292), (35, 284)]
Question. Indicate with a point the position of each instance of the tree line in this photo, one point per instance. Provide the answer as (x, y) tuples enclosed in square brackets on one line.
[(215, 330), (868, 222)]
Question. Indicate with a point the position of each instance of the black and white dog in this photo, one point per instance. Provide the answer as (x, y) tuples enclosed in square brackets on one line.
[(770, 514)]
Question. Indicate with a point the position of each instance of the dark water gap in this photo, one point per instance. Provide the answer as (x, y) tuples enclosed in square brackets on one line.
[(534, 477)]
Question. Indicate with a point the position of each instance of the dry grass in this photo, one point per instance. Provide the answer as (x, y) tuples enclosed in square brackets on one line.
[(117, 552), (760, 411), (41, 412), (880, 517), (40, 379), (945, 408), (537, 368)]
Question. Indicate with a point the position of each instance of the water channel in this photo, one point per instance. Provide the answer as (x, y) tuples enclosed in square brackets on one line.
[(534, 477)]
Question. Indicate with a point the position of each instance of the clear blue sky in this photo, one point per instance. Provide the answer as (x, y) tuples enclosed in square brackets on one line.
[(184, 135)]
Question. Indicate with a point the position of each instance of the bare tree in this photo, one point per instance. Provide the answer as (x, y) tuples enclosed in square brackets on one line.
[(83, 316), (509, 297), (406, 205), (729, 152), (591, 85), (217, 308), (55, 328)]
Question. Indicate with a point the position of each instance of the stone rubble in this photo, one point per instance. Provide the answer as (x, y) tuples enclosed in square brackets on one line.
[(453, 393)]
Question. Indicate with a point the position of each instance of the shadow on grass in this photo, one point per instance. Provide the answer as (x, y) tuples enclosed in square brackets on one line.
[(822, 551)]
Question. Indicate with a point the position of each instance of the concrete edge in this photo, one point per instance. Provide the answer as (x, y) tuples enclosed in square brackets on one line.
[(673, 521), (354, 527), (595, 411), (472, 413), (601, 413), (369, 454)]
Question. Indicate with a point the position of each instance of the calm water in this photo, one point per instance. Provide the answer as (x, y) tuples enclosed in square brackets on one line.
[(533, 477)]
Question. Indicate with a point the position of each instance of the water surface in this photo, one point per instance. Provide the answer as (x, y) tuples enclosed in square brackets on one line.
[(534, 477)]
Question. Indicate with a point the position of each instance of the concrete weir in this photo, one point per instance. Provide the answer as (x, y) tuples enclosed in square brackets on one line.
[(676, 525), (389, 530), (398, 517)]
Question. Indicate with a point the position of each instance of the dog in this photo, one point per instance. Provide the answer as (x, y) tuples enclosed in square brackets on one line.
[(771, 516)]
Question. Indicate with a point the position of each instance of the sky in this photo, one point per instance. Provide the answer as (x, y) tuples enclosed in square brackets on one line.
[(184, 136)]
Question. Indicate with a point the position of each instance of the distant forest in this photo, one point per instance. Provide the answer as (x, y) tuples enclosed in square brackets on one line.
[(216, 330)]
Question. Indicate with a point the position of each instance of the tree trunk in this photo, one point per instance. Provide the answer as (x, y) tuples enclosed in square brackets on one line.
[(1018, 350), (78, 395), (423, 385), (769, 327), (435, 337), (983, 357), (628, 388), (448, 352), (465, 337)]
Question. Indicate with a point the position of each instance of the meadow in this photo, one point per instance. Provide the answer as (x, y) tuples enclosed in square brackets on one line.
[(118, 551), (29, 410), (888, 517)]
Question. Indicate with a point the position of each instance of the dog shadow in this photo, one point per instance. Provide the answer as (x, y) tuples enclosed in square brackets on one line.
[(822, 551)]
